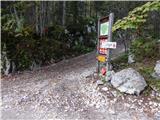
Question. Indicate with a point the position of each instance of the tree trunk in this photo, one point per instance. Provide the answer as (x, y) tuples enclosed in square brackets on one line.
[(37, 19), (90, 9), (64, 13), (17, 19)]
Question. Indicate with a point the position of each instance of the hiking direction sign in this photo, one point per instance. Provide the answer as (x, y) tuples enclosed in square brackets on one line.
[(111, 45), (104, 45)]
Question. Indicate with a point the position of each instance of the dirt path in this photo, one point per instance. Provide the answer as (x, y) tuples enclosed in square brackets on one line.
[(45, 90), (62, 91)]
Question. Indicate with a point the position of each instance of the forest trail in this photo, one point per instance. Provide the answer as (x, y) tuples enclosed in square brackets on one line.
[(61, 91)]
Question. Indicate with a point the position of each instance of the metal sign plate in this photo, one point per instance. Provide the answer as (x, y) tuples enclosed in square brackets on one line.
[(104, 27), (101, 58), (102, 50), (111, 45)]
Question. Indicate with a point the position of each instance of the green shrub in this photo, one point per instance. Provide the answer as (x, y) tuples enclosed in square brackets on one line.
[(144, 49), (120, 62), (24, 47), (80, 48), (146, 71)]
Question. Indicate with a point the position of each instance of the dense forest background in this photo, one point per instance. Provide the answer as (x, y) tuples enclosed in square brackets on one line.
[(38, 33)]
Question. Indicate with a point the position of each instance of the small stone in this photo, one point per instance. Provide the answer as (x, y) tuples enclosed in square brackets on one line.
[(104, 89), (140, 110), (132, 106), (146, 103), (153, 93), (122, 98), (95, 75), (133, 100), (97, 106), (127, 105), (139, 103), (114, 93), (157, 116), (99, 82), (114, 101), (131, 58), (150, 103), (7, 106), (156, 74), (111, 111), (155, 104)]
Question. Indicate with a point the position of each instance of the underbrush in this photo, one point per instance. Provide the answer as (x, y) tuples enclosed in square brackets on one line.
[(120, 63), (25, 47)]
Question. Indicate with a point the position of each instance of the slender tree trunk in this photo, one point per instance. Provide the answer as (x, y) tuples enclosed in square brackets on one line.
[(85, 9), (124, 43), (90, 9), (40, 19), (37, 19), (64, 13), (43, 18), (17, 18), (54, 11)]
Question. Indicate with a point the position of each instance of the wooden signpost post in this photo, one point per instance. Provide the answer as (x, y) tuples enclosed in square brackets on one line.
[(104, 45)]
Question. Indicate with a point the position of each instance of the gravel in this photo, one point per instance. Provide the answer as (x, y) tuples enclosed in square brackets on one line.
[(62, 93)]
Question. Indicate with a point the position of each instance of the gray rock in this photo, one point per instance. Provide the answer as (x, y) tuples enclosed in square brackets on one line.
[(8, 66), (105, 89), (131, 58), (157, 67), (128, 81), (157, 116), (114, 93), (156, 73), (35, 66), (99, 82), (5, 62)]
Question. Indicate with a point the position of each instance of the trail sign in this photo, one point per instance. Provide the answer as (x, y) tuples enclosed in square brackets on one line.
[(104, 27), (104, 44), (109, 45), (102, 50), (101, 58)]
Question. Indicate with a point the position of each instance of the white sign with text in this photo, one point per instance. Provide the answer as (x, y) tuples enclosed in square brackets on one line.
[(111, 45)]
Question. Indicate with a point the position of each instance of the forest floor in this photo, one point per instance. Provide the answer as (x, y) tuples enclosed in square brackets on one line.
[(66, 90)]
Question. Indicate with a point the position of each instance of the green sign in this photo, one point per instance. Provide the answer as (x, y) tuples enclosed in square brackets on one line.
[(104, 27)]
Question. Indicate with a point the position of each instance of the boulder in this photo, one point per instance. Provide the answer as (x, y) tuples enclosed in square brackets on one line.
[(128, 81), (156, 73), (131, 58)]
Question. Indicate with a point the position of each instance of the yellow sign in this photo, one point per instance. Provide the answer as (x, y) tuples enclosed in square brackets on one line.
[(101, 58)]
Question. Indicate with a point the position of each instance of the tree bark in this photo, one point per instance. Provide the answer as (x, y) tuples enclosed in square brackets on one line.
[(17, 18), (37, 19), (64, 13)]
